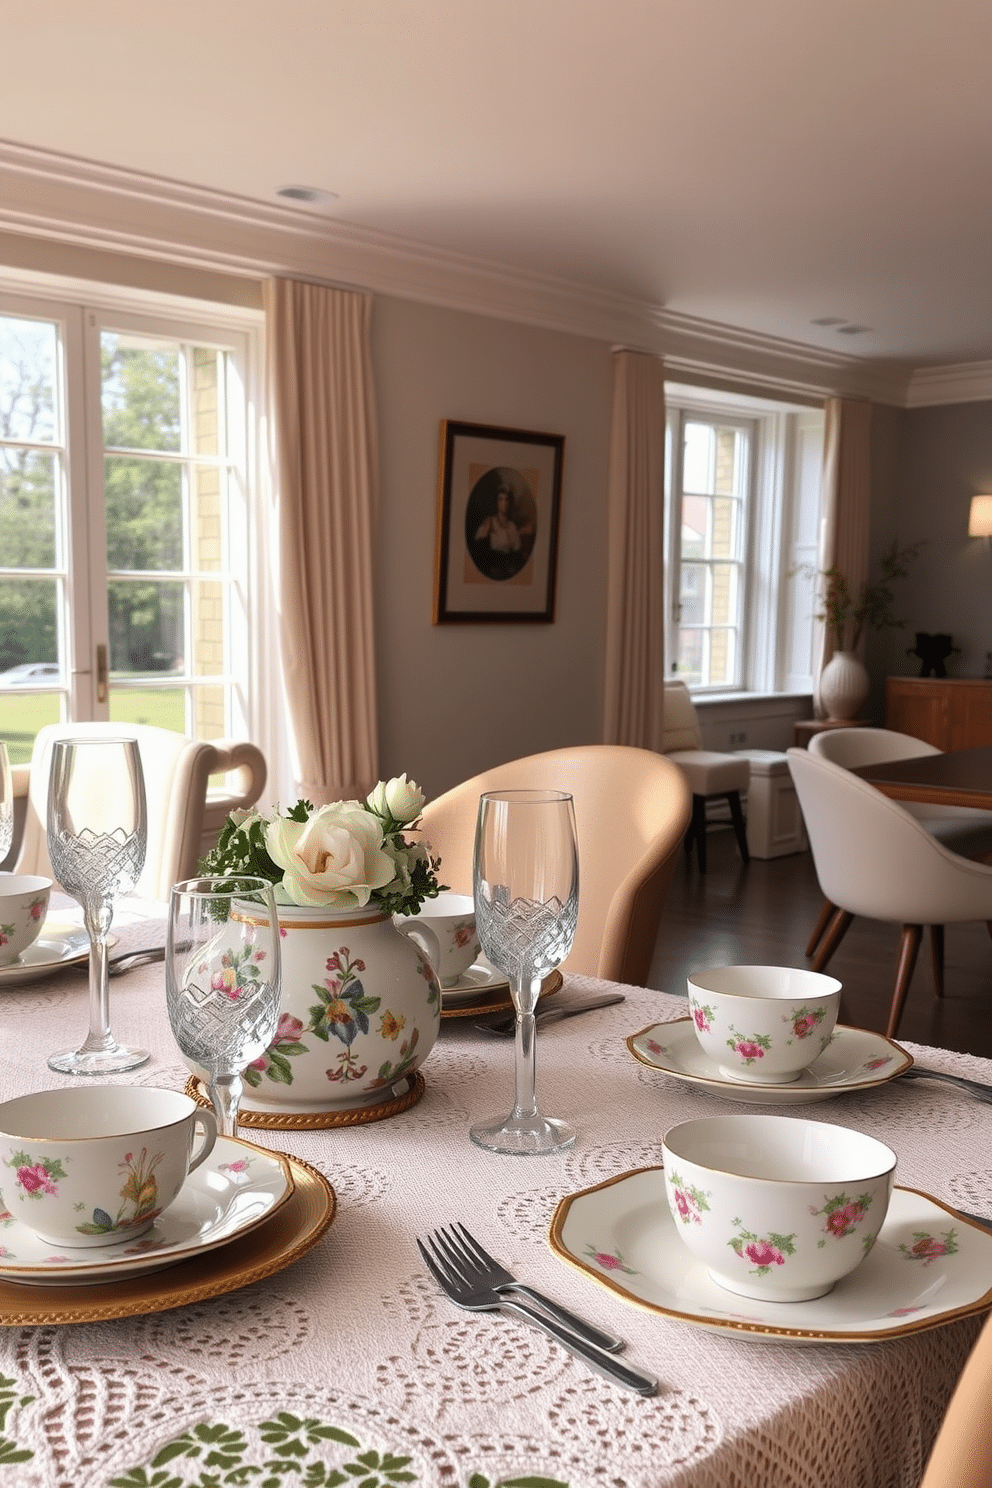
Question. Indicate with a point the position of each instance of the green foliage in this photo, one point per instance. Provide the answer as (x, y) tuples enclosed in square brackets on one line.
[(847, 614)]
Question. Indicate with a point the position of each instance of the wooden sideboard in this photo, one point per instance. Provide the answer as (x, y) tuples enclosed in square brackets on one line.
[(949, 712)]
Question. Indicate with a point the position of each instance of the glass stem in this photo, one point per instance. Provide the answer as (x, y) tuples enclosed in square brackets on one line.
[(526, 994), (225, 1097), (97, 917)]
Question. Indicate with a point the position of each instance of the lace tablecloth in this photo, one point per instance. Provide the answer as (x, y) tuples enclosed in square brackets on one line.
[(351, 1367)]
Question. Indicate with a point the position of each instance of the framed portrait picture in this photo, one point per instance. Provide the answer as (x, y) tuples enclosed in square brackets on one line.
[(499, 495)]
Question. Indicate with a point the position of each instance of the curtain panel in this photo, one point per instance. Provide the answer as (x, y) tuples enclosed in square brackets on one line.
[(324, 457), (846, 504), (635, 624)]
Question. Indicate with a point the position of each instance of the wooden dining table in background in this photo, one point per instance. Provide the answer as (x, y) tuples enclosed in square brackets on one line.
[(962, 777)]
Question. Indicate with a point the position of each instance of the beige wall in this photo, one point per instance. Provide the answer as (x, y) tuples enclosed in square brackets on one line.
[(455, 699)]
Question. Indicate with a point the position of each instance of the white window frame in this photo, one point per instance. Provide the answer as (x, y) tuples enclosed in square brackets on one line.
[(782, 523), (82, 311)]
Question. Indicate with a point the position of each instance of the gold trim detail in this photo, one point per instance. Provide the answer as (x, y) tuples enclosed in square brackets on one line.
[(292, 1230), (319, 1120)]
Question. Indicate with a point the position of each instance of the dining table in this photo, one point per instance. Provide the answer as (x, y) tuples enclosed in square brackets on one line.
[(960, 777), (348, 1364)]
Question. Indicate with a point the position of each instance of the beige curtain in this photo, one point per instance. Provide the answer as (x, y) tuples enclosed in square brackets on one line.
[(846, 498), (635, 602), (323, 426)]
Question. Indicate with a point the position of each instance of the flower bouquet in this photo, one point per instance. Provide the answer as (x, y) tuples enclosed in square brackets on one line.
[(346, 855)]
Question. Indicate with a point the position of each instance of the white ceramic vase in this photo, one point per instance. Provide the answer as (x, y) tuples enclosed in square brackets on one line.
[(844, 685), (360, 1012)]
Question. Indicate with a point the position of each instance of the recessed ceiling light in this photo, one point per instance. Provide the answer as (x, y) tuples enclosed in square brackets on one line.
[(828, 320), (852, 330), (312, 194)]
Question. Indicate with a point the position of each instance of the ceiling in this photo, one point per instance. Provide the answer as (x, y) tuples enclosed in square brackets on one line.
[(760, 165)]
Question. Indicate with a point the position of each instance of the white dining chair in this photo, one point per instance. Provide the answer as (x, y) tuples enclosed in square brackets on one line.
[(632, 808), (710, 774), (873, 858), (185, 814), (963, 829)]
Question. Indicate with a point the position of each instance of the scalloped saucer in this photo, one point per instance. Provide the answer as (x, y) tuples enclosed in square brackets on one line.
[(855, 1059), (56, 946), (238, 1187), (928, 1266)]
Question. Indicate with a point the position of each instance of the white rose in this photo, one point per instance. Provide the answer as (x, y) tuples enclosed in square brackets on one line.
[(400, 798), (242, 818), (336, 858)]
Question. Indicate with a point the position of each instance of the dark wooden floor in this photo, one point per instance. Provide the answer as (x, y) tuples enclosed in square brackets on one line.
[(763, 915)]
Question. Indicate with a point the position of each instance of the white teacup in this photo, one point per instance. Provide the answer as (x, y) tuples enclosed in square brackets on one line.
[(23, 907), (97, 1165), (450, 919), (763, 1025)]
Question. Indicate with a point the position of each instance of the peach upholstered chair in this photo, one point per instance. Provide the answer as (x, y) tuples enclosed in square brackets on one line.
[(184, 815), (632, 808), (962, 1453)]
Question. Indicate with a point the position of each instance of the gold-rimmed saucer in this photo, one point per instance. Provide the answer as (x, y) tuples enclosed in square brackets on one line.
[(928, 1266), (497, 1000), (292, 1230)]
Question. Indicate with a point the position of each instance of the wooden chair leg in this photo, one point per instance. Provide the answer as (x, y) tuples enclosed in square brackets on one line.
[(826, 912), (836, 930), (937, 958), (699, 829), (737, 817), (908, 949)]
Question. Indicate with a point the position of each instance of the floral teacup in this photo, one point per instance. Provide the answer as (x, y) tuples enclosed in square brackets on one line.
[(97, 1165), (23, 907), (776, 1208), (763, 1025)]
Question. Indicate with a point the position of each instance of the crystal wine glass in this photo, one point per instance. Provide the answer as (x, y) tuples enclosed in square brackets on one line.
[(6, 803), (97, 833), (223, 982), (526, 907)]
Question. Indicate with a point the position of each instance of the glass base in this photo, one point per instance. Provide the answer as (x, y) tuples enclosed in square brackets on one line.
[(112, 1061), (523, 1136)]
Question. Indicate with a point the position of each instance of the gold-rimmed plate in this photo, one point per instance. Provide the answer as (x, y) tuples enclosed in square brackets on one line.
[(497, 1000), (56, 946), (928, 1266), (292, 1230)]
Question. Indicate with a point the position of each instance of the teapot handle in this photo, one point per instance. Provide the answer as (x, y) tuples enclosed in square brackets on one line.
[(424, 939)]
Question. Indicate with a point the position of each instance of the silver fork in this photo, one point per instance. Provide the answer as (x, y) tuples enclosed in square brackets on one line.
[(488, 1272), (468, 1293)]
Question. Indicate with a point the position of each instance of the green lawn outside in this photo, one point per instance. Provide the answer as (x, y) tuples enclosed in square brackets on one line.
[(21, 716)]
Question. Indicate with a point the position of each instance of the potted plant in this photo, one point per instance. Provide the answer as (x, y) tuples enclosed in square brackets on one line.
[(844, 682)]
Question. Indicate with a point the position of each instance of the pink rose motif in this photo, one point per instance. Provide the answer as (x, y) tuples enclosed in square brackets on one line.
[(3, 938), (289, 1029), (843, 1220), (608, 1262), (682, 1204), (463, 935), (34, 1179), (261, 1063), (803, 1027), (37, 909), (763, 1254), (929, 1249), (699, 1018), (750, 1051), (874, 1064), (656, 1048)]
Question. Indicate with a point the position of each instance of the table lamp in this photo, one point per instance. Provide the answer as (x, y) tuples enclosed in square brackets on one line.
[(980, 518)]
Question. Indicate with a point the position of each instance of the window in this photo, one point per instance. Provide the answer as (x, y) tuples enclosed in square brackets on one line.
[(743, 521), (125, 571)]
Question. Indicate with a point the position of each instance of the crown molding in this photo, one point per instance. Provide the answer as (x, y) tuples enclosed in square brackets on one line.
[(968, 382), (87, 204)]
